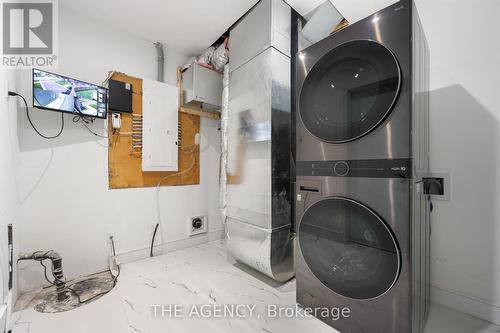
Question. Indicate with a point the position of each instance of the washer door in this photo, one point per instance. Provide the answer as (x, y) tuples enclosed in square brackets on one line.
[(349, 248), (350, 91)]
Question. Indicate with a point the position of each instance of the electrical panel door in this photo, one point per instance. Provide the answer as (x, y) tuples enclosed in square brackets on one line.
[(160, 104)]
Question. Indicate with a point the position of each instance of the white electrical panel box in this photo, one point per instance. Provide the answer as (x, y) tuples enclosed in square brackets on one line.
[(160, 105)]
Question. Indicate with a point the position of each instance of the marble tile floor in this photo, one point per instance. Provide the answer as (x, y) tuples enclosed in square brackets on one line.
[(201, 280)]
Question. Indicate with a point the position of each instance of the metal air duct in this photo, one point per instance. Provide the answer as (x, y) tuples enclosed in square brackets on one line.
[(258, 160)]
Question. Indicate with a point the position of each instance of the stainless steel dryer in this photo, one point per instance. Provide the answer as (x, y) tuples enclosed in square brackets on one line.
[(362, 150), (355, 88)]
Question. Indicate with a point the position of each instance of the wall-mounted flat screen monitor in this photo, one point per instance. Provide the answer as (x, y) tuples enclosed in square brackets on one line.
[(59, 93)]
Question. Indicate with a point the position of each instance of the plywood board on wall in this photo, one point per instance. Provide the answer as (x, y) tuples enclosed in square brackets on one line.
[(124, 162)]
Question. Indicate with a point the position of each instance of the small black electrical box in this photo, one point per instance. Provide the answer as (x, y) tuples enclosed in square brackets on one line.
[(120, 96)]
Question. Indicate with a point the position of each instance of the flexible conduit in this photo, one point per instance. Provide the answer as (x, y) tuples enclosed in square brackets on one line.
[(161, 61)]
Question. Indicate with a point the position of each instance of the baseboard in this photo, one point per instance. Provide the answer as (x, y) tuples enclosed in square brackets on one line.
[(169, 246), (468, 304)]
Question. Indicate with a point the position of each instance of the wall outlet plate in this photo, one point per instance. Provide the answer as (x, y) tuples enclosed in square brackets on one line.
[(197, 225), (446, 186)]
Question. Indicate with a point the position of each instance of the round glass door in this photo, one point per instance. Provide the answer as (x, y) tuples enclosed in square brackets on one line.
[(350, 91), (349, 248)]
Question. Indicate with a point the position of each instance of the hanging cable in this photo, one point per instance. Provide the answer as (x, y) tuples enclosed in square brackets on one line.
[(12, 93), (153, 239), (85, 121), (80, 117), (94, 133), (158, 211), (111, 238)]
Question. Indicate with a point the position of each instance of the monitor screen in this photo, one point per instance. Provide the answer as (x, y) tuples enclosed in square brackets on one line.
[(60, 93)]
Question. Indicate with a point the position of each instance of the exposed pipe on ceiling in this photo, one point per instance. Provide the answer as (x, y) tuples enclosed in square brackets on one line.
[(161, 61)]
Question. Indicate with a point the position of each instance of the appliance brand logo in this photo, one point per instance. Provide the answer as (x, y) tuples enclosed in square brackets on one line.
[(29, 33)]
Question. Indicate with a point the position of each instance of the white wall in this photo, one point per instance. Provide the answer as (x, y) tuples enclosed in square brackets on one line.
[(9, 195), (465, 116), (66, 204)]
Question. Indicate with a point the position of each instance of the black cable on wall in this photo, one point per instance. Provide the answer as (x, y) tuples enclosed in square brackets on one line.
[(79, 117), (48, 137)]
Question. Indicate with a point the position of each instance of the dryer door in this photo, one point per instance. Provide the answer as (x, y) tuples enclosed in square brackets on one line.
[(350, 91), (349, 248)]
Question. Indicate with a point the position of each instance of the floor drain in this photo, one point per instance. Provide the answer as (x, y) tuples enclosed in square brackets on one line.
[(87, 287)]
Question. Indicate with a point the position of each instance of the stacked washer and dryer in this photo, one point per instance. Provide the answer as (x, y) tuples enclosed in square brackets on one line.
[(362, 150)]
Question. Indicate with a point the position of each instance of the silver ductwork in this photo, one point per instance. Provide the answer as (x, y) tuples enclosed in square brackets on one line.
[(258, 160), (161, 61)]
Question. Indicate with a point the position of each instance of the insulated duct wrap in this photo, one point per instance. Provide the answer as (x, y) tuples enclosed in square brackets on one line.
[(258, 140), (206, 57), (224, 128), (220, 57)]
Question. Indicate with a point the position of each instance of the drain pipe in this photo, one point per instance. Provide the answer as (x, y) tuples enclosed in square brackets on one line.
[(161, 61), (57, 269)]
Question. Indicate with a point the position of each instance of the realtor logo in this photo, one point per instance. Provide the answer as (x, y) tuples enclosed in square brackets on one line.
[(29, 33)]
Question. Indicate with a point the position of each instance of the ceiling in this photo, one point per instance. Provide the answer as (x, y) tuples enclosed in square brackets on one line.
[(187, 26), (304, 6), (352, 10), (355, 10)]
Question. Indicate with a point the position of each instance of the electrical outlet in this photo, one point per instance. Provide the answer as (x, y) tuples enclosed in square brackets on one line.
[(197, 225)]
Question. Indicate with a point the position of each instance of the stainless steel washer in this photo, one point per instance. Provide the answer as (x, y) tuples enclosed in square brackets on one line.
[(362, 150)]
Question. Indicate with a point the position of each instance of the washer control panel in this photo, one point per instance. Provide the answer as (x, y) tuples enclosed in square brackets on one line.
[(379, 168)]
